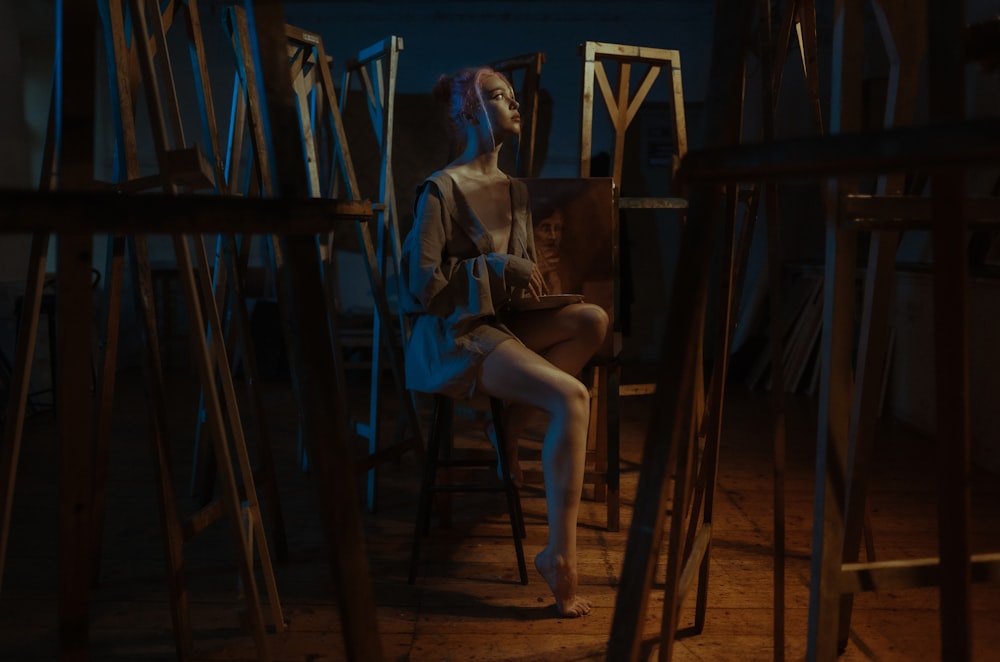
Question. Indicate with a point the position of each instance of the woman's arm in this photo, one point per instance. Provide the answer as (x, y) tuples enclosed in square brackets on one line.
[(469, 284)]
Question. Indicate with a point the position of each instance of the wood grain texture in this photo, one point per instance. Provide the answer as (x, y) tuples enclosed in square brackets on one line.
[(467, 603)]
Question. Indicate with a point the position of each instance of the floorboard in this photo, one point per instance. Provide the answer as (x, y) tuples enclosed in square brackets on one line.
[(467, 603)]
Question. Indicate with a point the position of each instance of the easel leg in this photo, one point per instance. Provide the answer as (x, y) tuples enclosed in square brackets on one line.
[(238, 258), (76, 463), (230, 498), (24, 353), (224, 370), (173, 540), (106, 383)]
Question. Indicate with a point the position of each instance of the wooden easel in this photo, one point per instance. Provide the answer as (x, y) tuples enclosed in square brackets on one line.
[(124, 82), (312, 81), (239, 498), (375, 70), (846, 433), (959, 143), (70, 212), (528, 69), (622, 105), (680, 411), (799, 16)]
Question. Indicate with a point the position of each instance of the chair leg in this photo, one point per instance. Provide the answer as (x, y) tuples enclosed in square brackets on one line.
[(438, 442), (442, 410), (513, 498)]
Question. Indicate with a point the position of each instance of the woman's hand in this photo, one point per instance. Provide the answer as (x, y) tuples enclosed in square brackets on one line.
[(537, 286)]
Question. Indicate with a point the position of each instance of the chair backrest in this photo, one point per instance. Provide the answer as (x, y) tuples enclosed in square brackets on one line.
[(577, 218)]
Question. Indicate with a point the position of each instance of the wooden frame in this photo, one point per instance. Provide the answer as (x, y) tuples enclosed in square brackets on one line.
[(316, 104), (70, 169), (947, 147), (375, 70), (622, 106)]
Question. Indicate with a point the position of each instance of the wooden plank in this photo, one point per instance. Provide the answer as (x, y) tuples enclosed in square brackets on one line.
[(775, 278), (170, 528), (971, 143), (896, 212), (946, 95), (76, 69), (630, 53), (17, 398), (708, 469), (155, 213), (913, 573), (652, 203), (24, 345), (587, 109), (835, 350), (906, 56)]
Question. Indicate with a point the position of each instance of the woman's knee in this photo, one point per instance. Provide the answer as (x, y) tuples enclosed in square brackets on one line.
[(592, 323), (575, 399)]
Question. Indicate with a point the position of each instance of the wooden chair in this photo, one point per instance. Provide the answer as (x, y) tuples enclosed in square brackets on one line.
[(439, 456)]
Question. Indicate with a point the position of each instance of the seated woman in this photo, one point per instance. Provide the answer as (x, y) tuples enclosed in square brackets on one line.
[(469, 254)]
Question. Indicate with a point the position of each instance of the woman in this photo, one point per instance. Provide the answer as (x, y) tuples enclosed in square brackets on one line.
[(468, 257)]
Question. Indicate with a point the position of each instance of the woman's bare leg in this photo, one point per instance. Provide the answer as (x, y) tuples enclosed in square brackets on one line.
[(517, 374), (567, 338)]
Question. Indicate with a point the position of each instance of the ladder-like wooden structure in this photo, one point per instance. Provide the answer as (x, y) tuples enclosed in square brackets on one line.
[(203, 293), (70, 159), (372, 73), (622, 103), (950, 145), (677, 473), (330, 170)]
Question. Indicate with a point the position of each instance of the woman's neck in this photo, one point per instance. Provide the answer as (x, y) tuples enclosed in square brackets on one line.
[(479, 163), (481, 153)]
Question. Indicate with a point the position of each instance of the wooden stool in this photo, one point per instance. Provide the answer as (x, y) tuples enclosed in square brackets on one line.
[(439, 446)]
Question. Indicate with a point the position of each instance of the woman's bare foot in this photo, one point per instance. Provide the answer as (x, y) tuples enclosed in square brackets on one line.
[(513, 463), (562, 582)]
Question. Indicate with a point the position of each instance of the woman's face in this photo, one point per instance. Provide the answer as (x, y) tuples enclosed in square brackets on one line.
[(500, 106)]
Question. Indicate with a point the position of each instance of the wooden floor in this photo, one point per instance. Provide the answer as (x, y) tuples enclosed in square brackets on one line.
[(467, 604)]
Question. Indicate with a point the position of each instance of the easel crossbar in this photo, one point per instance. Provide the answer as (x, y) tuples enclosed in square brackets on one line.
[(912, 573), (940, 146), (893, 212), (592, 49), (69, 212)]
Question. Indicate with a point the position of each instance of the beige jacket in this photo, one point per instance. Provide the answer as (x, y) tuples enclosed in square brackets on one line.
[(458, 286)]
